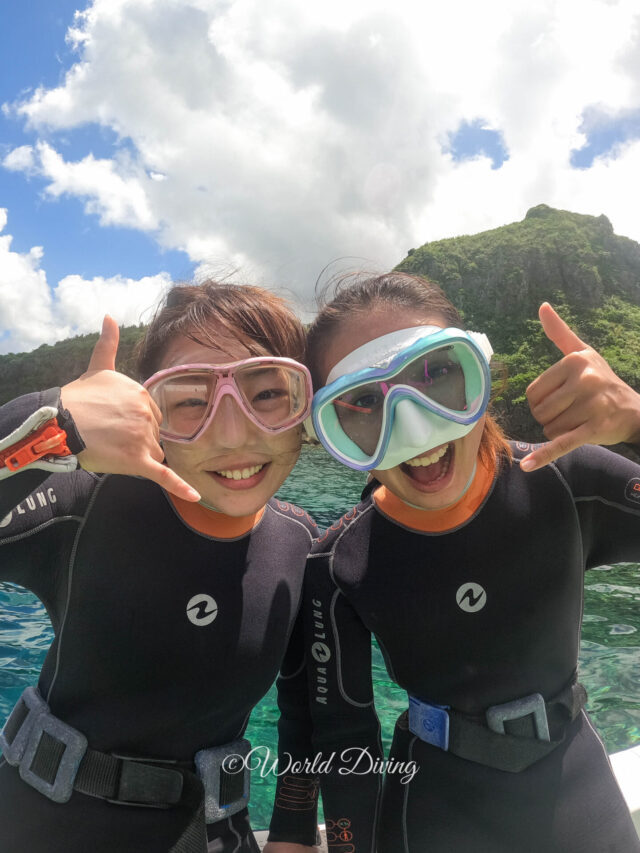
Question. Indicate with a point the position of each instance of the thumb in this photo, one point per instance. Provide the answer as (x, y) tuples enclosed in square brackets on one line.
[(558, 331), (104, 352)]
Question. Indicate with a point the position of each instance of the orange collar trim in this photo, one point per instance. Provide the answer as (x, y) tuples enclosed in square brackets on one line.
[(213, 523), (438, 520)]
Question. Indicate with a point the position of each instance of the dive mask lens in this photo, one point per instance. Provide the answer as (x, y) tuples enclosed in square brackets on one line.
[(445, 373), (184, 401), (437, 375), (275, 395)]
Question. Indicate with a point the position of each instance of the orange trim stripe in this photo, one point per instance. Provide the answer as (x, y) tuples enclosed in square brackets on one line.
[(213, 523), (438, 520)]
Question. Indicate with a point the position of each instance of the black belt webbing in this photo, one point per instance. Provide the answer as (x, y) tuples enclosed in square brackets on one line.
[(518, 748), (131, 782)]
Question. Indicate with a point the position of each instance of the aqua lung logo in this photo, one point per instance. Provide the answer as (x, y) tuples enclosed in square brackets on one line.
[(202, 610), (471, 597), (632, 492), (35, 501), (320, 652)]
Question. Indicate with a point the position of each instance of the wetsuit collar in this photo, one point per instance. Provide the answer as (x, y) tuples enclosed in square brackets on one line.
[(438, 520), (212, 523)]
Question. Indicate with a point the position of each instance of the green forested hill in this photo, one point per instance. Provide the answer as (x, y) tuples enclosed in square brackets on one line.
[(499, 278), (50, 366)]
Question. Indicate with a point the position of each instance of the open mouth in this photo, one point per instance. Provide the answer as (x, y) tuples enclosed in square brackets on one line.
[(433, 470), (241, 478)]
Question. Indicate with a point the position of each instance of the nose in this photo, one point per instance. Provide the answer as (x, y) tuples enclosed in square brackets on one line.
[(230, 428), (412, 425)]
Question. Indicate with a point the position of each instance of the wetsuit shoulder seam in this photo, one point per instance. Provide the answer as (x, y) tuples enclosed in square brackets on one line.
[(563, 479), (325, 534), (607, 503), (48, 523), (292, 520), (350, 524), (289, 635), (99, 484), (336, 638), (293, 674), (564, 482)]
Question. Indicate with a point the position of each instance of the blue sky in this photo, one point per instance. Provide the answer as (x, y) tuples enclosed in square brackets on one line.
[(193, 136), (604, 134), (473, 139), (34, 53)]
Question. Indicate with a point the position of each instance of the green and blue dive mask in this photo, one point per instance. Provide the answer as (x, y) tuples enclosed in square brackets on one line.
[(403, 394)]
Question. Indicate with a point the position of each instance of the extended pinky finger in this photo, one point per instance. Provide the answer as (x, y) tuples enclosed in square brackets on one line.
[(556, 448), (170, 481)]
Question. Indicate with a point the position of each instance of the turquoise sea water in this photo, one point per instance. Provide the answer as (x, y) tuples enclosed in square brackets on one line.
[(609, 658)]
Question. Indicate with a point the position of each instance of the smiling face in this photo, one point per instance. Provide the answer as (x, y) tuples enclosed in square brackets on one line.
[(433, 479), (235, 465)]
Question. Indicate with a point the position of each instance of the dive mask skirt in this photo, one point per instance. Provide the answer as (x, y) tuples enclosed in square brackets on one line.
[(402, 394), (274, 393)]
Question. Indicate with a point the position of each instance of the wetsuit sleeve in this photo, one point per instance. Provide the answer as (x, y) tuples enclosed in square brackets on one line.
[(346, 732), (33, 501), (295, 807), (606, 493), (13, 416)]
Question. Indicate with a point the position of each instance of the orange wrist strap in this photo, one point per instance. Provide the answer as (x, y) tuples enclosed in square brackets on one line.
[(47, 440)]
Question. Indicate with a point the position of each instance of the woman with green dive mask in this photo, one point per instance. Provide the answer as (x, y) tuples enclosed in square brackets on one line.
[(466, 560)]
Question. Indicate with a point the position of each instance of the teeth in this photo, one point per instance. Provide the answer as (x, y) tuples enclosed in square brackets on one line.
[(240, 473), (424, 461)]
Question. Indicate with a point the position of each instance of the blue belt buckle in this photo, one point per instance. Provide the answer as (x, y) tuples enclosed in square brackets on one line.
[(429, 722)]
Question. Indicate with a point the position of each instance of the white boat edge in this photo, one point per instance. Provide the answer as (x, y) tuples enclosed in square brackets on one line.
[(626, 766)]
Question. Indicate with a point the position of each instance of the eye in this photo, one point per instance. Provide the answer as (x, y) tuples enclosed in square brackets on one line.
[(365, 402), (443, 370), (270, 394), (439, 371), (190, 403), (368, 401)]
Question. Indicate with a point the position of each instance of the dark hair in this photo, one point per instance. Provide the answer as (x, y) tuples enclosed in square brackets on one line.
[(211, 311), (355, 296)]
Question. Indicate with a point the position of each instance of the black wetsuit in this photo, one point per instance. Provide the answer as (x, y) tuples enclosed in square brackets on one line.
[(470, 618), (116, 567)]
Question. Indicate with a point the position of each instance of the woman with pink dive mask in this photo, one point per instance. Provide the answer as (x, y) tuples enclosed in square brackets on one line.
[(172, 579), (465, 559)]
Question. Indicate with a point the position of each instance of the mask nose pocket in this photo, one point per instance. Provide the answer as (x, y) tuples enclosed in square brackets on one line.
[(412, 425)]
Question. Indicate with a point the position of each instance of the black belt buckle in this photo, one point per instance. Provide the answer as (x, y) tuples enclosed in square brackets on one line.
[(61, 765), (226, 778), (14, 737), (533, 705)]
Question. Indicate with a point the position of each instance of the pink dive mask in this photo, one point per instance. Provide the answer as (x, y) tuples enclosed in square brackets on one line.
[(273, 393)]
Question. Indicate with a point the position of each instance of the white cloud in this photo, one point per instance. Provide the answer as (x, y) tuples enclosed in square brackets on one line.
[(112, 189), (32, 313), (277, 137)]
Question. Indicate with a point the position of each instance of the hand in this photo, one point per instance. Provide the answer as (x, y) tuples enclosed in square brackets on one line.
[(579, 399), (288, 847), (118, 421)]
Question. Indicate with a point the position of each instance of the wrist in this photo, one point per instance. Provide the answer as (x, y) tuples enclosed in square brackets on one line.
[(65, 420)]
